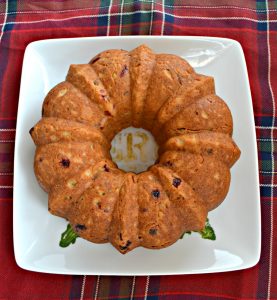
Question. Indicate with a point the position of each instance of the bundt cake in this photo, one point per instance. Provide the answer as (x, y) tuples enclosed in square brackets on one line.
[(158, 92)]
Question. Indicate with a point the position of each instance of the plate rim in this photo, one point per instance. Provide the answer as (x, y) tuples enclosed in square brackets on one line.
[(20, 260)]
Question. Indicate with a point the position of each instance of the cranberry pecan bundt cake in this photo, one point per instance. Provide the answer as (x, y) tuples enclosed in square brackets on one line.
[(160, 93)]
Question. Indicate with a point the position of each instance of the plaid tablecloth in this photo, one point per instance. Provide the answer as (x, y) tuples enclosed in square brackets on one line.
[(252, 23)]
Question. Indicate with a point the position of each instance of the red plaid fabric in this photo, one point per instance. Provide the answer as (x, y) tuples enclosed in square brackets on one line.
[(252, 23)]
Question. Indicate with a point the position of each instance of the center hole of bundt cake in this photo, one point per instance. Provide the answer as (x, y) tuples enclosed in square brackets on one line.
[(134, 149)]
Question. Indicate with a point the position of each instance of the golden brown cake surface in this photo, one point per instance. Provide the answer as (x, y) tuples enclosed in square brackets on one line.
[(158, 92), (141, 68)]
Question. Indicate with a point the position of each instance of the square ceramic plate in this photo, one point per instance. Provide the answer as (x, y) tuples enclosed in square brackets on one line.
[(236, 222)]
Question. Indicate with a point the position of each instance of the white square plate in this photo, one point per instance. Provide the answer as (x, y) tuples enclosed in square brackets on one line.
[(236, 222)]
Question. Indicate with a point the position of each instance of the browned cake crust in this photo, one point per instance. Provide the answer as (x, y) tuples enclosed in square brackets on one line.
[(219, 146), (118, 89), (69, 190), (113, 69), (141, 68), (56, 161), (52, 130), (67, 102), (124, 233), (191, 209), (85, 79), (92, 214), (208, 177), (207, 113), (197, 87), (159, 222), (169, 73)]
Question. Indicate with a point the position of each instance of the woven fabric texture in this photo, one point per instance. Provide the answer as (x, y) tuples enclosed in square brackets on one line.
[(252, 23)]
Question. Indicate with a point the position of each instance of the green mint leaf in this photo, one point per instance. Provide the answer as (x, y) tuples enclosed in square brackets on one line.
[(208, 232), (68, 237)]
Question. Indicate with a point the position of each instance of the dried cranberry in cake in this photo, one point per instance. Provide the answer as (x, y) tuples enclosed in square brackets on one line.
[(80, 227), (65, 162), (176, 182), (106, 168), (107, 113), (124, 71), (153, 231), (156, 193)]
